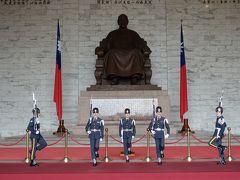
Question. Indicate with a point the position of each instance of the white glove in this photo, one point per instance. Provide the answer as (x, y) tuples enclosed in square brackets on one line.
[(133, 137), (218, 137), (89, 132), (37, 132), (166, 136), (121, 139), (101, 139), (153, 132)]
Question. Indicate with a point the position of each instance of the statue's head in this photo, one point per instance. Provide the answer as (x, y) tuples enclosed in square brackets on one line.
[(122, 21)]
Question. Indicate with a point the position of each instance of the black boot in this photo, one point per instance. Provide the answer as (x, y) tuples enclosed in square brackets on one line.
[(222, 162), (34, 163), (159, 161), (94, 162)]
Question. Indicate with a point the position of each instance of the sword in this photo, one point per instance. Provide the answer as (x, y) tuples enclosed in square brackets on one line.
[(221, 99), (34, 103)]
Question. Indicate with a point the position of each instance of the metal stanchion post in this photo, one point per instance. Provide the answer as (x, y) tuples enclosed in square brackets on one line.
[(189, 159), (148, 158), (27, 159), (106, 158), (66, 159), (229, 144)]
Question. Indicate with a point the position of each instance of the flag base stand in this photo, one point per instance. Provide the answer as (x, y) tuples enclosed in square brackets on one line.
[(185, 128), (61, 129)]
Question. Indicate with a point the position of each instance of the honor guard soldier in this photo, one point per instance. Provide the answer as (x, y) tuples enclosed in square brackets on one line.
[(216, 140), (38, 142), (95, 131), (157, 127), (127, 131)]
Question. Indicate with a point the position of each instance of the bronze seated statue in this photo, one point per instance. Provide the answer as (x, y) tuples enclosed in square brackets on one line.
[(123, 57)]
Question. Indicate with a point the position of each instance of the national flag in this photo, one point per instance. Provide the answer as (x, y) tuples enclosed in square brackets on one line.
[(58, 77), (183, 80)]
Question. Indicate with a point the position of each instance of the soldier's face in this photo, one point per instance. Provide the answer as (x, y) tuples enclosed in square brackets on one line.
[(218, 113), (127, 115), (95, 114), (159, 114), (35, 114)]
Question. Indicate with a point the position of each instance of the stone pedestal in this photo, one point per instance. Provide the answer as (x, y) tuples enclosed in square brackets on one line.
[(140, 99)]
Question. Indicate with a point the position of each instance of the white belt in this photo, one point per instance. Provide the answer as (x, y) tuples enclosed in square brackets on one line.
[(95, 130), (127, 129), (158, 129)]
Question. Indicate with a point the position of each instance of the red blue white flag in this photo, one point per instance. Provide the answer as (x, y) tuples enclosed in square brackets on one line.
[(58, 77), (183, 80)]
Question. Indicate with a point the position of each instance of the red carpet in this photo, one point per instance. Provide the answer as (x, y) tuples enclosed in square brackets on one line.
[(169, 170), (118, 167), (125, 176), (174, 167), (83, 153)]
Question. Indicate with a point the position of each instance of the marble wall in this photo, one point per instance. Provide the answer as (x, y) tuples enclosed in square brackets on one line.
[(28, 47)]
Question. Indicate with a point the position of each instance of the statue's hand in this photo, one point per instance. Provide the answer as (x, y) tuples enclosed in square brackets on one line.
[(99, 51)]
